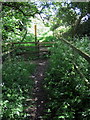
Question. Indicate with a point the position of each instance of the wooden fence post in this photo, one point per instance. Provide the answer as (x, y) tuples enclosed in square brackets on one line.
[(37, 42), (35, 28)]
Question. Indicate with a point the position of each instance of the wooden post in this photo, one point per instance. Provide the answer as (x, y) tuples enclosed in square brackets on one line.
[(37, 44), (35, 28)]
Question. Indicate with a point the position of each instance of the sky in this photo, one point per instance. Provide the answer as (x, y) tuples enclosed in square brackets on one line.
[(53, 12)]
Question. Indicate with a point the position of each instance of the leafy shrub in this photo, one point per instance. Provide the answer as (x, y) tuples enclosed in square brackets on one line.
[(29, 38), (68, 94), (17, 87), (83, 44)]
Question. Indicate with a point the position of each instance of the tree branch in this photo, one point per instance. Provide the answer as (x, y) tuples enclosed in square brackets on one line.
[(17, 8)]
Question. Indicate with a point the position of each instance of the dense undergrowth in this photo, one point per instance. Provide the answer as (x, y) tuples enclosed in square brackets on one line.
[(17, 88), (66, 84), (83, 43), (68, 76)]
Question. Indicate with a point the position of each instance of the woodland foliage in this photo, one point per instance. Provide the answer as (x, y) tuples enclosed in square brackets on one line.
[(68, 93)]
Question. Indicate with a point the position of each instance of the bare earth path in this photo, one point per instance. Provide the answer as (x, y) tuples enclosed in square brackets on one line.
[(39, 93)]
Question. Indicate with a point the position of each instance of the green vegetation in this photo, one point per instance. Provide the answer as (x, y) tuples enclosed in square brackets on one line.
[(67, 90), (17, 88), (67, 81), (83, 44)]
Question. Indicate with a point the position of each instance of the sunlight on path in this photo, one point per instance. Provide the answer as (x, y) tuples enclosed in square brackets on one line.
[(39, 93)]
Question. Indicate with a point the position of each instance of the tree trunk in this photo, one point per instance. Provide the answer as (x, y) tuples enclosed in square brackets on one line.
[(77, 25)]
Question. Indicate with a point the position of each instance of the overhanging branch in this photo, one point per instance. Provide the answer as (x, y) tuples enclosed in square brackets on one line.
[(17, 8)]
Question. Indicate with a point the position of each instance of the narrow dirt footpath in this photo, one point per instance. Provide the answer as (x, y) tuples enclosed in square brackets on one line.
[(39, 93)]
